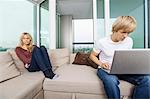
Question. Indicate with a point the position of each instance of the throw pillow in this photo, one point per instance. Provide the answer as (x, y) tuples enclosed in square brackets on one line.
[(81, 58)]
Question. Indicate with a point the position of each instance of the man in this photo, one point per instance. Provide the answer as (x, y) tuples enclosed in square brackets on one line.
[(119, 39)]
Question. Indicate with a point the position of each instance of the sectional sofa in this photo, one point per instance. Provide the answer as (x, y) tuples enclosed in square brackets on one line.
[(74, 81)]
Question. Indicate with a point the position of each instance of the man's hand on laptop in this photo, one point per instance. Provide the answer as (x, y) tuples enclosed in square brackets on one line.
[(105, 66)]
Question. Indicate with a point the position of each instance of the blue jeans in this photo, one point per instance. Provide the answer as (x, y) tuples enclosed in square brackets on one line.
[(111, 82), (40, 62)]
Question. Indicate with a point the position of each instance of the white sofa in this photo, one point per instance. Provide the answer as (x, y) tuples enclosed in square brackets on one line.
[(74, 81), (17, 85)]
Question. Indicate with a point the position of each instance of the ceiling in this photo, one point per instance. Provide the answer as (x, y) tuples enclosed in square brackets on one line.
[(36, 1), (79, 9), (83, 9)]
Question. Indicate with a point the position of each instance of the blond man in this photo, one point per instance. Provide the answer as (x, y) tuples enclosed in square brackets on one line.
[(105, 47)]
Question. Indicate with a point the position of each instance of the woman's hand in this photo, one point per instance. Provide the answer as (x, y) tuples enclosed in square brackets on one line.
[(26, 65)]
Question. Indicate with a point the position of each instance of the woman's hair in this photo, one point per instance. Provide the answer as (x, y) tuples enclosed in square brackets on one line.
[(31, 40), (125, 23)]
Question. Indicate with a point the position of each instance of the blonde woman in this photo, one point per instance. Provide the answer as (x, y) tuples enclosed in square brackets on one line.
[(34, 58), (105, 47)]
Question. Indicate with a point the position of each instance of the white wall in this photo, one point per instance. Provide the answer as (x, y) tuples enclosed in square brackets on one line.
[(66, 35), (52, 24)]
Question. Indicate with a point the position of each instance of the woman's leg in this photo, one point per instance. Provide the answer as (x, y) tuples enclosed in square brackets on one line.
[(110, 83), (33, 66), (46, 56), (40, 61), (142, 85)]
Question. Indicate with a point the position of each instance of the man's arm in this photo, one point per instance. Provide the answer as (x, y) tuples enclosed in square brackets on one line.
[(94, 58), (98, 62)]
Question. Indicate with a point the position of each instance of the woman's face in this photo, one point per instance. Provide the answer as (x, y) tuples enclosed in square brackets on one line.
[(26, 40)]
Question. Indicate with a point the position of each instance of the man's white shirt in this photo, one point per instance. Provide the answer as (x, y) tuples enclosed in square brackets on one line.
[(106, 47)]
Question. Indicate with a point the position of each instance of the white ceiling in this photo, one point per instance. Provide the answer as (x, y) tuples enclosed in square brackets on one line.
[(79, 9), (82, 9), (36, 1)]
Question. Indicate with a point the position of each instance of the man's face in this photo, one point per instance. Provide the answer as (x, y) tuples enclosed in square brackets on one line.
[(121, 35)]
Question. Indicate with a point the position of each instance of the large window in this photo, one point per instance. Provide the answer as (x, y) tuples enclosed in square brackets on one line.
[(83, 35), (16, 17), (44, 23), (136, 9), (109, 10), (100, 20)]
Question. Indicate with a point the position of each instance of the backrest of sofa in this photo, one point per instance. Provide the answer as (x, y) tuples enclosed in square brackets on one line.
[(59, 57), (17, 61), (8, 69), (72, 57)]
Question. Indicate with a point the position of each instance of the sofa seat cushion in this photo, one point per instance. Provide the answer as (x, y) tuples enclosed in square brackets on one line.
[(25, 86), (80, 79)]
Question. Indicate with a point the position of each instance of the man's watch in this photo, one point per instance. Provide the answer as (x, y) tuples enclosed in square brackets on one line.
[(99, 66)]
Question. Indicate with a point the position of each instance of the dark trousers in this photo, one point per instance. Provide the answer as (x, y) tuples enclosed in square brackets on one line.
[(40, 62), (111, 82)]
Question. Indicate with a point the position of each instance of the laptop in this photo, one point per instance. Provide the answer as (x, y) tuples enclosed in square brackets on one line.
[(133, 61)]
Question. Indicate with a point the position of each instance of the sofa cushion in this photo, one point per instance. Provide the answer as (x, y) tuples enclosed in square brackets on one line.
[(7, 67), (25, 86), (17, 61), (81, 58), (59, 57), (80, 79)]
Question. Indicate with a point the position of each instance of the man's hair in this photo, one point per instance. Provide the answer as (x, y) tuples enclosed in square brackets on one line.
[(125, 23)]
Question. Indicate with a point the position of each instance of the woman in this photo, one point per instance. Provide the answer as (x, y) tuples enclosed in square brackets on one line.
[(34, 58)]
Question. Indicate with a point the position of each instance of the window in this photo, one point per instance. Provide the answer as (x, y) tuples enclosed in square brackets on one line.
[(109, 10), (100, 20), (16, 17), (83, 35), (131, 7), (44, 23)]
